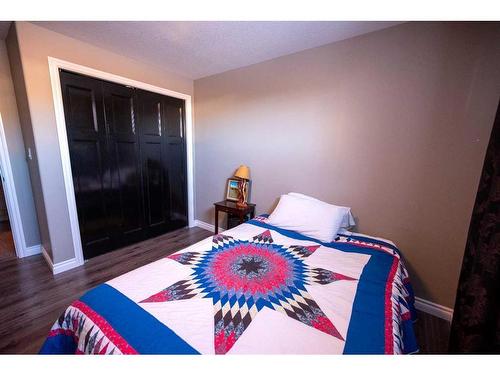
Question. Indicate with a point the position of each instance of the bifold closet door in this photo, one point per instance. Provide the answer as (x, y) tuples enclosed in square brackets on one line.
[(90, 164), (128, 159), (163, 161), (105, 162)]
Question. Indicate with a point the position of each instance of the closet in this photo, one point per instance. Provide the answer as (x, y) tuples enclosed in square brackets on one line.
[(128, 159)]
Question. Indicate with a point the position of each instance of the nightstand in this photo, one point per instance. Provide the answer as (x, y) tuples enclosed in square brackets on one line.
[(231, 208)]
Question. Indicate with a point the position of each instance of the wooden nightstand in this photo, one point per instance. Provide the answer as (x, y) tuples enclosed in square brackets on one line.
[(232, 209)]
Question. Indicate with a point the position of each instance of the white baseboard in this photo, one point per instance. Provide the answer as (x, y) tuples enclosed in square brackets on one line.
[(47, 258), (432, 308), (65, 266), (61, 266), (32, 250), (421, 304), (207, 226)]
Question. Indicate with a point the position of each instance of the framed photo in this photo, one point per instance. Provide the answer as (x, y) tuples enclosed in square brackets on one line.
[(232, 189)]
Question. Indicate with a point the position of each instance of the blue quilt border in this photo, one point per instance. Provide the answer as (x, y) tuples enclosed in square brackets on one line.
[(366, 332)]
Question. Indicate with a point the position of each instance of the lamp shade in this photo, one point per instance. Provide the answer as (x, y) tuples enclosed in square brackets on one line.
[(243, 172)]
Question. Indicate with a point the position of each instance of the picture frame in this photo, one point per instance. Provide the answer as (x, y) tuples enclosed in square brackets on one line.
[(232, 189)]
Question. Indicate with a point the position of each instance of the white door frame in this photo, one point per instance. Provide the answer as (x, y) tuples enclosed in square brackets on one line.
[(9, 188), (54, 66)]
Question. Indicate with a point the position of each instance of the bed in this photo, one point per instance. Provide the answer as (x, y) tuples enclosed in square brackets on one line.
[(254, 289)]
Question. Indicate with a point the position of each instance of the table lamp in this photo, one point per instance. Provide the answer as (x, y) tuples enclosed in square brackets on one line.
[(243, 175)]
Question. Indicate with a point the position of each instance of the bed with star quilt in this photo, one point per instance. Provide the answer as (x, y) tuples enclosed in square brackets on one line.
[(254, 289)]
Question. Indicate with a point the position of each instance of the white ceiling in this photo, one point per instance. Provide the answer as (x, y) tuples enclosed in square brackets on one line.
[(4, 29), (200, 49)]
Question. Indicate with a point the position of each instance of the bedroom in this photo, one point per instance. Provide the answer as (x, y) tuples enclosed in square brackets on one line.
[(124, 142)]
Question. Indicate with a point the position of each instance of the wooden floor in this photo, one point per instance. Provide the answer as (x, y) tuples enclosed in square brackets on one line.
[(6, 241), (432, 334), (31, 298)]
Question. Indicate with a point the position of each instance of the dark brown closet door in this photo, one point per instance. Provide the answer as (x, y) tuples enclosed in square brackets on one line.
[(176, 165), (90, 165), (126, 201), (163, 155), (154, 162), (128, 159)]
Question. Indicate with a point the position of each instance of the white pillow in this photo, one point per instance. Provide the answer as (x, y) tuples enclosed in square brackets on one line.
[(309, 217), (347, 221)]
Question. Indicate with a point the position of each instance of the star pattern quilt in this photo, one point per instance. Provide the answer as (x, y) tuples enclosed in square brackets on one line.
[(255, 289)]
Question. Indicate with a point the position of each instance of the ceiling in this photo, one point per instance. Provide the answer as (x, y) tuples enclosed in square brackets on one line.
[(4, 29), (200, 49)]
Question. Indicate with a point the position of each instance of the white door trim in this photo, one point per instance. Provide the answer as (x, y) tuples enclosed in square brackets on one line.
[(11, 200), (54, 66)]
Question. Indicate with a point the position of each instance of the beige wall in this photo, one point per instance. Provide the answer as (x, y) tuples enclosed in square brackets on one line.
[(35, 44), (394, 124), (15, 145)]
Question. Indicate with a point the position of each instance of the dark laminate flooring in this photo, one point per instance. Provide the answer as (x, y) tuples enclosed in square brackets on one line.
[(6, 241), (432, 334), (31, 298)]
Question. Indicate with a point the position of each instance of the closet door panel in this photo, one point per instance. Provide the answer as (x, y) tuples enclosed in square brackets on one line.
[(128, 178), (81, 106), (176, 151), (154, 161), (90, 191), (85, 125), (127, 201), (155, 183), (121, 108), (151, 124), (174, 119), (177, 188)]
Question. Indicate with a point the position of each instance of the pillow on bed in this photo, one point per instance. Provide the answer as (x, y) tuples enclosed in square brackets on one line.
[(347, 221), (309, 217)]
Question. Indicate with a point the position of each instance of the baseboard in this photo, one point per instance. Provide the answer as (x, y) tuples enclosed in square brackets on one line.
[(61, 266), (32, 250), (207, 226), (432, 308), (47, 258)]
